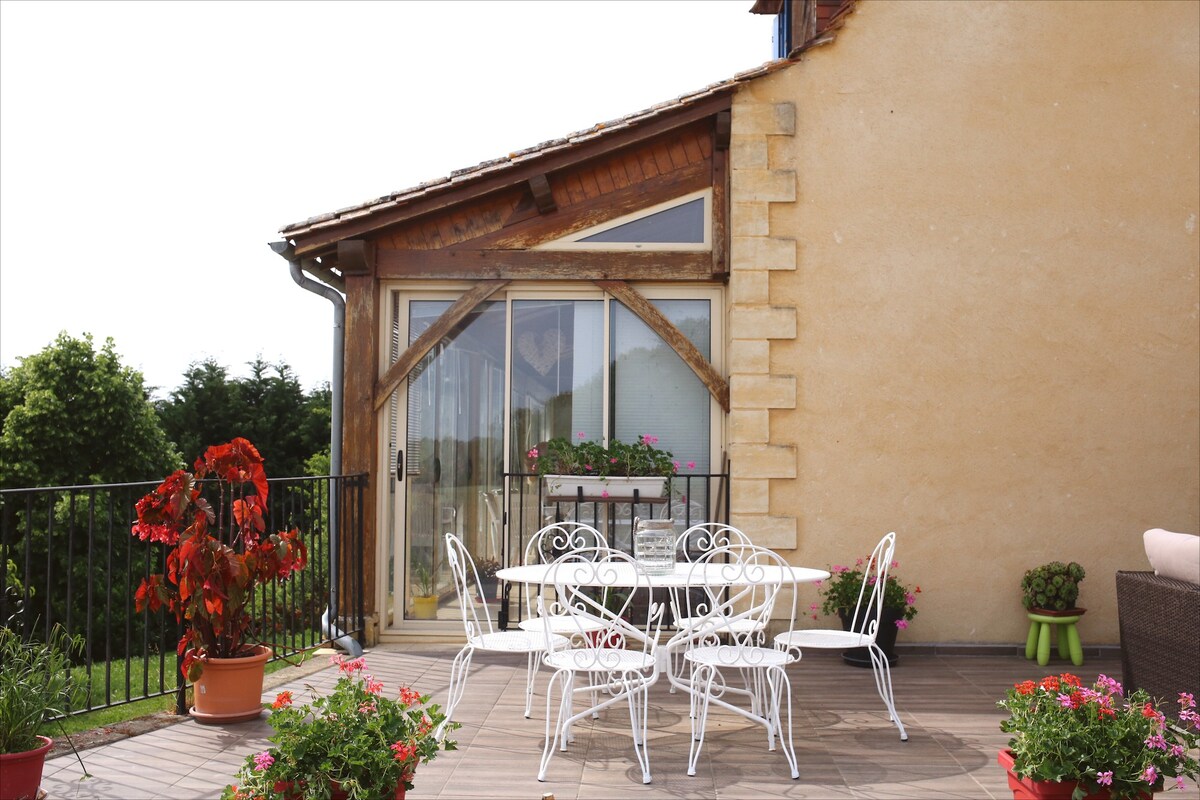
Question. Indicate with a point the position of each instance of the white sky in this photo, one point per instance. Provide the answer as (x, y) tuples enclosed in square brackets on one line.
[(150, 151)]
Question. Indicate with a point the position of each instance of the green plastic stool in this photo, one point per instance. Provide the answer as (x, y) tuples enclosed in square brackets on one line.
[(1038, 641)]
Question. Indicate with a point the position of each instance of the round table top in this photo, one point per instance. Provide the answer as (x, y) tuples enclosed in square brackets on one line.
[(623, 574)]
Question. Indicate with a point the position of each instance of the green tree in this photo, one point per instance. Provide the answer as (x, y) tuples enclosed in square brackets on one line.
[(202, 411), (272, 404), (268, 407), (72, 414)]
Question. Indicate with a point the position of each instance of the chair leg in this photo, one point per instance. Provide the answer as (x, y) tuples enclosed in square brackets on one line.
[(553, 732), (639, 711), (531, 669), (781, 690), (458, 684), (702, 681), (883, 684)]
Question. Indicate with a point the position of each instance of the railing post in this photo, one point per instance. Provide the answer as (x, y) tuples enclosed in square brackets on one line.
[(180, 680)]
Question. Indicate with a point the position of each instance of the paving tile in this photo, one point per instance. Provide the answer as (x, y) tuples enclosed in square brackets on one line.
[(845, 745)]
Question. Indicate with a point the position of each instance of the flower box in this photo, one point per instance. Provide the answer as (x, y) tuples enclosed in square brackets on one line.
[(1028, 789), (606, 488)]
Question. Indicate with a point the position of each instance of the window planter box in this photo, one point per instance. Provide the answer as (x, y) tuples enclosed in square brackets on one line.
[(610, 488)]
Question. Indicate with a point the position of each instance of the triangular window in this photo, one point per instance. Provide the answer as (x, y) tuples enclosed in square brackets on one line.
[(679, 224)]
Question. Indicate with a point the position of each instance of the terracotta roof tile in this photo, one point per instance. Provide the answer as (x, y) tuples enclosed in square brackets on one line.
[(460, 176)]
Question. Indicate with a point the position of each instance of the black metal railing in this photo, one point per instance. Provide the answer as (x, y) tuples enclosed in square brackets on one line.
[(67, 557), (688, 499)]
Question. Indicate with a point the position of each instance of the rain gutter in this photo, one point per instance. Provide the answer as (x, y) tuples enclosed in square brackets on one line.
[(288, 252)]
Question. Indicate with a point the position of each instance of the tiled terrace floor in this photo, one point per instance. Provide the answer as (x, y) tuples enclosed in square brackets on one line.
[(844, 743)]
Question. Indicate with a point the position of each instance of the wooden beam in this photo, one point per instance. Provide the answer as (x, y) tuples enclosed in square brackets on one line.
[(723, 130), (360, 440), (720, 214), (553, 265), (542, 195), (324, 273), (638, 304), (356, 257), (431, 336), (518, 234), (312, 242)]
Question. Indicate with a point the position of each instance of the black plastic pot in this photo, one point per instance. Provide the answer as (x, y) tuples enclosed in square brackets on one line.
[(885, 639)]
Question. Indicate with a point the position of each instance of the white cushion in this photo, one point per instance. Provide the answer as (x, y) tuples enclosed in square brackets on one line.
[(1173, 555)]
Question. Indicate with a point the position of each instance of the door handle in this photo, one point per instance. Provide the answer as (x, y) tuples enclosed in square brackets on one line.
[(399, 465)]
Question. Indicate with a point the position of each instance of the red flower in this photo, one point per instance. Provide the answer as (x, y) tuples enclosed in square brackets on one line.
[(404, 752), (282, 700)]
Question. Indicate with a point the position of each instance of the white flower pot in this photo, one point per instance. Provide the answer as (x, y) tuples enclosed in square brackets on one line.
[(610, 488)]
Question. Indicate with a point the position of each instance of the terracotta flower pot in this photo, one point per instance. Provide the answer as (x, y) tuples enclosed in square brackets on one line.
[(338, 794), (230, 689), (21, 773), (1027, 789)]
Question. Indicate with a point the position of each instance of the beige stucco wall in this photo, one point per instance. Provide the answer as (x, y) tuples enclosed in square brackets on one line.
[(964, 302)]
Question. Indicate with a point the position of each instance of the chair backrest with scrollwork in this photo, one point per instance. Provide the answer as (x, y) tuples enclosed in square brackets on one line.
[(597, 587), (744, 588), (553, 542), (699, 539), (476, 617)]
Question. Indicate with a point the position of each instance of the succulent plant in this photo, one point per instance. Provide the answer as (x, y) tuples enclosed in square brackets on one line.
[(1053, 586)]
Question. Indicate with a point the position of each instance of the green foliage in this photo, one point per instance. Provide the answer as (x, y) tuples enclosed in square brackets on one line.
[(74, 415), (268, 407), (587, 457), (424, 584), (355, 736), (1053, 586), (202, 409), (842, 589), (35, 685), (1063, 731)]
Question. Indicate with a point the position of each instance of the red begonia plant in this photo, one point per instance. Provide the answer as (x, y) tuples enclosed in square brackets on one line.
[(217, 557)]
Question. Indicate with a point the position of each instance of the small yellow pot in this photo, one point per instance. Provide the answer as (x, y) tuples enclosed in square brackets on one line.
[(425, 607)]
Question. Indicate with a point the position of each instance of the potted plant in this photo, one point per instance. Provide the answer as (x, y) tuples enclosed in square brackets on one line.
[(217, 557), (604, 472), (839, 596), (354, 742), (425, 595), (1052, 587), (36, 685), (486, 568), (1071, 741)]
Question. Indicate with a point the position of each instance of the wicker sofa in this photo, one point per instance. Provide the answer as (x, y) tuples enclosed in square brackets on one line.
[(1159, 619)]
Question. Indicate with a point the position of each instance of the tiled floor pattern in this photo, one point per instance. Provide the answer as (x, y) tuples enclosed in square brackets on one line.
[(845, 746)]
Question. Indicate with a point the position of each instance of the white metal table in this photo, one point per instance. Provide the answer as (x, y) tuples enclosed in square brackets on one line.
[(686, 574)]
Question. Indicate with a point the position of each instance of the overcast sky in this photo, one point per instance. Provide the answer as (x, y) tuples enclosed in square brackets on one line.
[(150, 151)]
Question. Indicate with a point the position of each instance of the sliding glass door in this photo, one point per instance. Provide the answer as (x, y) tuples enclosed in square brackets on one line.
[(520, 369)]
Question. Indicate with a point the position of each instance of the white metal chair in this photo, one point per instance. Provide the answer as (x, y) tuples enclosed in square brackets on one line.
[(481, 635), (692, 544), (544, 547), (863, 629), (616, 653), (742, 585)]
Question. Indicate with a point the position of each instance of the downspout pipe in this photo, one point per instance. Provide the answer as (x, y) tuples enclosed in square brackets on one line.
[(288, 252)]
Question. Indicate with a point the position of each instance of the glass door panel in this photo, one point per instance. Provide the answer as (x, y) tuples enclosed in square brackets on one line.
[(557, 372), (453, 454), (655, 393)]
